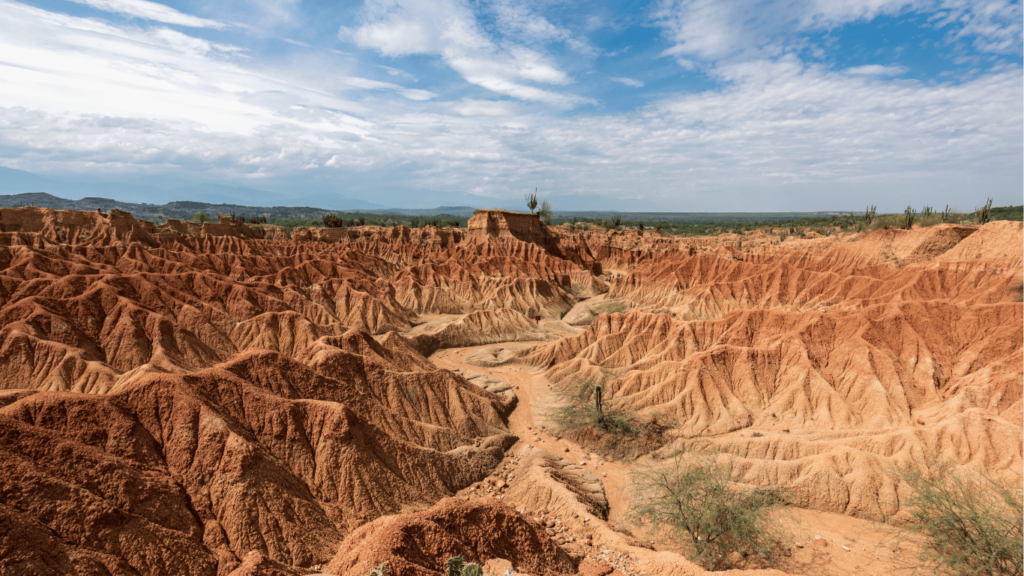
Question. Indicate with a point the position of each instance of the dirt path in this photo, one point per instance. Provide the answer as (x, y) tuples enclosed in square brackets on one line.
[(851, 546)]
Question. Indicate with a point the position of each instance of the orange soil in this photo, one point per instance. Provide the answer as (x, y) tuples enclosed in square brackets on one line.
[(222, 399)]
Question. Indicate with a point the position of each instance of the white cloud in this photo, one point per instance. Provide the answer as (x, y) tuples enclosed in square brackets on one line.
[(160, 74), (150, 11), (628, 82), (877, 70), (450, 29), (709, 30), (82, 95)]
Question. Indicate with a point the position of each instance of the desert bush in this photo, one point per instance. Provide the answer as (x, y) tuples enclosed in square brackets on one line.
[(333, 221), (930, 219), (200, 217), (545, 212), (381, 570), (1017, 290), (970, 523), (690, 497), (589, 415)]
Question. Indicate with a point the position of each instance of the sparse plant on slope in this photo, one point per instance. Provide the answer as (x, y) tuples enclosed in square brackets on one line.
[(531, 201), (690, 496), (1017, 290), (971, 524), (381, 570), (589, 414)]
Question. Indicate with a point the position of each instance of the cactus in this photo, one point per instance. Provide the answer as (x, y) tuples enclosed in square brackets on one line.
[(908, 216), (454, 566), (457, 567), (985, 212), (869, 215)]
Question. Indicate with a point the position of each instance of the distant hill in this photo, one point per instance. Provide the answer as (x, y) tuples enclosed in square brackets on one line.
[(185, 209)]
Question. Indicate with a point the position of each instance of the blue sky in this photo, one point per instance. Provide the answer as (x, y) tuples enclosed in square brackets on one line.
[(688, 105)]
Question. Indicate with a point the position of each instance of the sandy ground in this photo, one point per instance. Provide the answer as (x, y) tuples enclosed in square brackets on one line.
[(851, 545)]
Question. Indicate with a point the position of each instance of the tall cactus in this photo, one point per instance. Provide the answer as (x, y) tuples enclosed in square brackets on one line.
[(985, 212), (869, 215)]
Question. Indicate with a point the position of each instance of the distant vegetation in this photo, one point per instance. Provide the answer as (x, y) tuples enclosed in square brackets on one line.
[(739, 223), (676, 223)]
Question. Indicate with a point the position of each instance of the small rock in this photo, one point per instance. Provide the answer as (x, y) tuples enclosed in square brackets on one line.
[(821, 542), (565, 449), (798, 544)]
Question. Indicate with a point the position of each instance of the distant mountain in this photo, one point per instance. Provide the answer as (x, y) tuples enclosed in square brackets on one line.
[(181, 209), (163, 189), (185, 209)]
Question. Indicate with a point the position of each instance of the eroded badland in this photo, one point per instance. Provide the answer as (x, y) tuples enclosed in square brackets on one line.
[(231, 400)]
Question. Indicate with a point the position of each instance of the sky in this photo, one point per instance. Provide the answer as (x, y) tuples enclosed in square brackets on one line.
[(679, 105)]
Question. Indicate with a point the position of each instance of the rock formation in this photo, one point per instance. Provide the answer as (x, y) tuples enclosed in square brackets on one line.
[(221, 399)]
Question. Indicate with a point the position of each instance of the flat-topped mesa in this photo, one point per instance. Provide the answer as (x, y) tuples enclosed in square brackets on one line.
[(502, 224)]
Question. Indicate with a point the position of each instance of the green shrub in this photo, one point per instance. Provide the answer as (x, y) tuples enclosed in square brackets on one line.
[(722, 526), (545, 212), (381, 570), (970, 523)]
